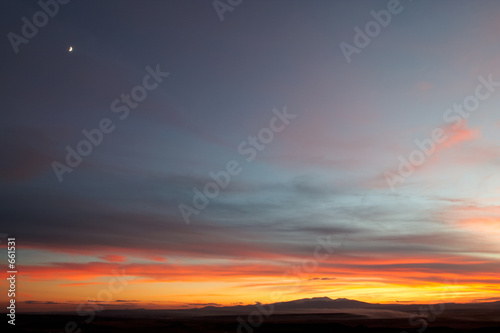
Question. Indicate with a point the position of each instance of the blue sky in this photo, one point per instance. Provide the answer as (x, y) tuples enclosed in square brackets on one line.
[(324, 173)]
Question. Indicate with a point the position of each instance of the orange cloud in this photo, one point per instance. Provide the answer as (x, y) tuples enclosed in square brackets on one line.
[(458, 134), (387, 267)]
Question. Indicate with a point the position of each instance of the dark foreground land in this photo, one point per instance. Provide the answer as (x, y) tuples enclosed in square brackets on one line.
[(291, 323)]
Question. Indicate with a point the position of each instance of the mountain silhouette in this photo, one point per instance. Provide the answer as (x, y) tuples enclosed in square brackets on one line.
[(305, 305)]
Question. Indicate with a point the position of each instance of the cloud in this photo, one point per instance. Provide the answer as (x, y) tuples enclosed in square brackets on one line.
[(148, 227), (41, 302), (443, 154), (456, 134), (204, 304), (80, 284), (113, 258)]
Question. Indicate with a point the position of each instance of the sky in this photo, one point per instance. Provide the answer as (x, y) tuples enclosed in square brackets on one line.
[(191, 153)]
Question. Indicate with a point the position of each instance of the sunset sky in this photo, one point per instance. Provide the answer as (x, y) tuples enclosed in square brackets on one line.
[(309, 210)]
